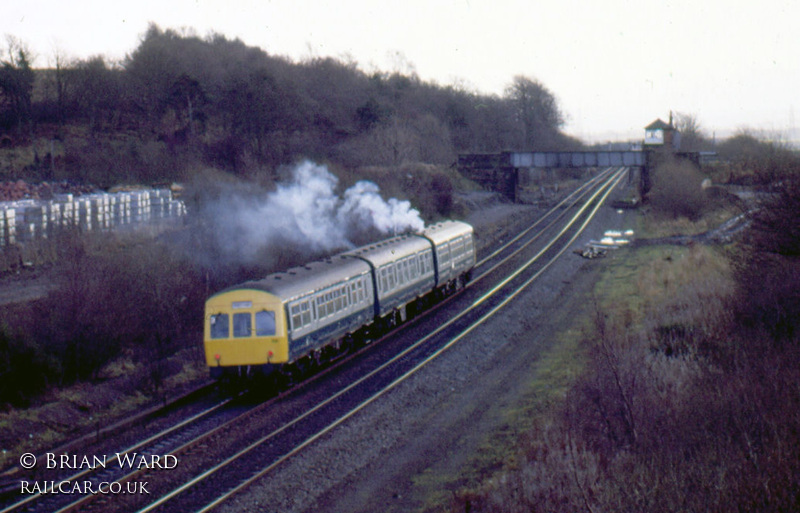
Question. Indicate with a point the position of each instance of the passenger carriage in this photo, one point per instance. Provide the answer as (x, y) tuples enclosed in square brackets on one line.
[(311, 305), (262, 325)]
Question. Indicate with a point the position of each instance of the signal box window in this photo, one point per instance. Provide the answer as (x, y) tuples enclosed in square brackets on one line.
[(219, 326), (265, 323), (242, 325)]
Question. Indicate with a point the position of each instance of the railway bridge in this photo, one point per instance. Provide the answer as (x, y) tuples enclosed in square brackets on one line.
[(502, 171)]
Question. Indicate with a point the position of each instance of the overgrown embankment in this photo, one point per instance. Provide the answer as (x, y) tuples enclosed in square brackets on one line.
[(688, 400)]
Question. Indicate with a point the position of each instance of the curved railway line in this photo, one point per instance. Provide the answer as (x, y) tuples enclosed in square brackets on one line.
[(248, 439)]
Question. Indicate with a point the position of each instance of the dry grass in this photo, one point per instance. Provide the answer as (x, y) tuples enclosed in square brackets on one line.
[(674, 411)]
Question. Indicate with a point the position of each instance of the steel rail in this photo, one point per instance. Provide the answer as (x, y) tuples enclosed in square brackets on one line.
[(422, 363), (580, 192), (138, 445), (607, 187), (562, 213)]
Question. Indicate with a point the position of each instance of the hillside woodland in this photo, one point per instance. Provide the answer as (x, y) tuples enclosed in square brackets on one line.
[(179, 102)]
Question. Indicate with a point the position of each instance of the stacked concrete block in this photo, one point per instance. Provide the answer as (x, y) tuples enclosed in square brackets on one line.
[(8, 225), (11, 226), (100, 211), (67, 206), (83, 207), (159, 203), (53, 218), (26, 220), (140, 206), (176, 209), (122, 209)]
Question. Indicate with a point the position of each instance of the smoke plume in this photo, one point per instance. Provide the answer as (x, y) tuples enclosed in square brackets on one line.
[(303, 216)]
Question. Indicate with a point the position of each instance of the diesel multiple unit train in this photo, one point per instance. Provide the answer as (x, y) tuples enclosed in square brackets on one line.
[(303, 316)]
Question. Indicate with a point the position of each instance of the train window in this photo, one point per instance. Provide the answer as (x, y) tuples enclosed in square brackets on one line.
[(384, 279), (219, 326), (360, 289), (444, 254), (337, 301), (327, 306), (242, 325), (458, 246), (296, 319), (306, 313), (265, 323)]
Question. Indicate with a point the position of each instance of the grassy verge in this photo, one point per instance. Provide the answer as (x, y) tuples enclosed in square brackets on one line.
[(632, 287)]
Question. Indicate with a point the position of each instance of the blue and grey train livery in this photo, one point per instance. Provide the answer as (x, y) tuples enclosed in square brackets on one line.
[(261, 325)]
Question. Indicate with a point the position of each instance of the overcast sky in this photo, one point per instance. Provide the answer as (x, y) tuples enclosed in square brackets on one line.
[(614, 65)]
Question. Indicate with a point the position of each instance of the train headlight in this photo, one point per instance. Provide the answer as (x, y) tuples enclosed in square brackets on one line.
[(217, 357)]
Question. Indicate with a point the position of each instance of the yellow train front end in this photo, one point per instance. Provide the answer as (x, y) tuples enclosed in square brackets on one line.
[(245, 333)]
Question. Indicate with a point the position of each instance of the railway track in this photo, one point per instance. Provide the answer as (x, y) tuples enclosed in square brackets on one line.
[(214, 447)]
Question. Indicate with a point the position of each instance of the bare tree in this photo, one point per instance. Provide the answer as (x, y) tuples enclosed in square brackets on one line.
[(62, 65), (536, 108), (16, 81), (692, 138)]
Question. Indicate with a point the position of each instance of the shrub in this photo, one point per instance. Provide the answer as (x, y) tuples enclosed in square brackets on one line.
[(122, 292), (768, 275), (26, 370), (688, 410), (677, 190)]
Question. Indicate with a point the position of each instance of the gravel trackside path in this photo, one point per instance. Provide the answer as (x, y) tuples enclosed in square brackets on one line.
[(411, 447)]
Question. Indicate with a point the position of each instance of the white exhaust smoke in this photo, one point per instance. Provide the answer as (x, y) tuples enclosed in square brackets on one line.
[(305, 215)]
